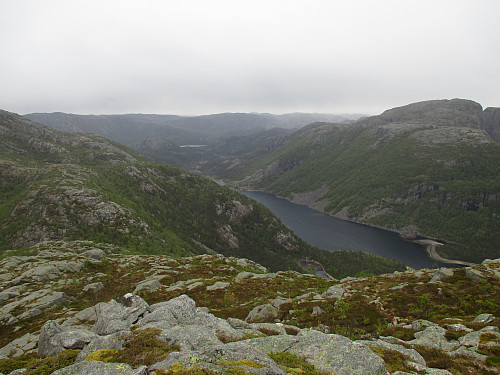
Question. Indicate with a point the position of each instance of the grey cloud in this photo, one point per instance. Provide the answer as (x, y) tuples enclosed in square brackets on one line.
[(196, 57)]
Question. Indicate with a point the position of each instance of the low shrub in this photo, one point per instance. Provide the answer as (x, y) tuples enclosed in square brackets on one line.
[(401, 333), (39, 366), (141, 347), (293, 364), (394, 360)]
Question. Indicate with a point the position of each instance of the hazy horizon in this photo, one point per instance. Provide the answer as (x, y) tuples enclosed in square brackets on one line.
[(196, 58), (200, 115)]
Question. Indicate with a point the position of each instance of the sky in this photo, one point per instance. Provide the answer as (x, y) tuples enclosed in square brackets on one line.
[(194, 57)]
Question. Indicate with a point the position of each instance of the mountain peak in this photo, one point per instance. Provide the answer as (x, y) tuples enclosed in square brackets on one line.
[(445, 112)]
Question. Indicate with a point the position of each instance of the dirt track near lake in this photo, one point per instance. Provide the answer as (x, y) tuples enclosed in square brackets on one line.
[(433, 254)]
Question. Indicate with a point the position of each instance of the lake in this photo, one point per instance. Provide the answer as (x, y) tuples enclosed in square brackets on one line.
[(330, 233)]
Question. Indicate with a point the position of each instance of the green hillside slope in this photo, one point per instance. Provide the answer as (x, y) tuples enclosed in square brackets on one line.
[(423, 169), (56, 185)]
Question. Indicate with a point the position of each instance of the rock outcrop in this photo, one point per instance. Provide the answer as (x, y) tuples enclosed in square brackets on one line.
[(200, 337), (228, 314)]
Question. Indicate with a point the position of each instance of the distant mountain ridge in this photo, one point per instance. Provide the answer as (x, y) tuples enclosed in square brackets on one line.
[(131, 129)]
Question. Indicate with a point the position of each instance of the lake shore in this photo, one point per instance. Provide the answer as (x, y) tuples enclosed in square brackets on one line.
[(432, 253), (429, 243)]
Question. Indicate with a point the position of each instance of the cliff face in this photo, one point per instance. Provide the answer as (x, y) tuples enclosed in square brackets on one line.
[(490, 122)]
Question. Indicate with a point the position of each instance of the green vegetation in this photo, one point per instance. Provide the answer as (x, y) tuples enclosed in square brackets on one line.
[(178, 369), (458, 297), (345, 263), (460, 365), (401, 333), (141, 347), (39, 366), (363, 312), (394, 360), (56, 185), (397, 177), (293, 364)]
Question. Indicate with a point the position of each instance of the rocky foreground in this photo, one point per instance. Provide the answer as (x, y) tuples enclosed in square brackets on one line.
[(86, 308)]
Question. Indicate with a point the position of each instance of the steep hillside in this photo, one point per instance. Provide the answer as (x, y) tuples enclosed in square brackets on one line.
[(423, 169), (56, 185)]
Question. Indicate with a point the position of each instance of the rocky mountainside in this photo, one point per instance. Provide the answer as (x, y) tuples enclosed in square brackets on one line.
[(425, 169), (56, 185), (86, 308), (132, 129)]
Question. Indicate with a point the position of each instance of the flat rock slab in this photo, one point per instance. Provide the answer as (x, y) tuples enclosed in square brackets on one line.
[(475, 275), (97, 254), (33, 304), (472, 339), (412, 353), (441, 274), (484, 318), (190, 337), (218, 285), (20, 346), (113, 341), (337, 354), (432, 336), (94, 287), (150, 284), (335, 291), (52, 271), (330, 353), (221, 358), (244, 275)]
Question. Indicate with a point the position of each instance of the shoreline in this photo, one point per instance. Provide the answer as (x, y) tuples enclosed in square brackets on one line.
[(320, 270), (433, 254), (430, 243)]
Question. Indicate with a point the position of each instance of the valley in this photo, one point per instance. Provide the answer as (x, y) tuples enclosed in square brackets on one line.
[(76, 186), (425, 170), (333, 234), (112, 262), (249, 187)]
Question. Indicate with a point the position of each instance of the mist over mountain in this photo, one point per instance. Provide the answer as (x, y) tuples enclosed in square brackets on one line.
[(131, 129)]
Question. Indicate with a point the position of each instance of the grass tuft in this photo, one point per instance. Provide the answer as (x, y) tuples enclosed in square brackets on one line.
[(394, 360), (141, 347), (294, 364), (39, 366)]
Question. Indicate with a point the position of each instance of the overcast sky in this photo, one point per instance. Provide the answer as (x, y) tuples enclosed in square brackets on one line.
[(191, 57)]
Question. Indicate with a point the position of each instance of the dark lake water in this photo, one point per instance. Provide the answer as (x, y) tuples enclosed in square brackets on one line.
[(330, 233)]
